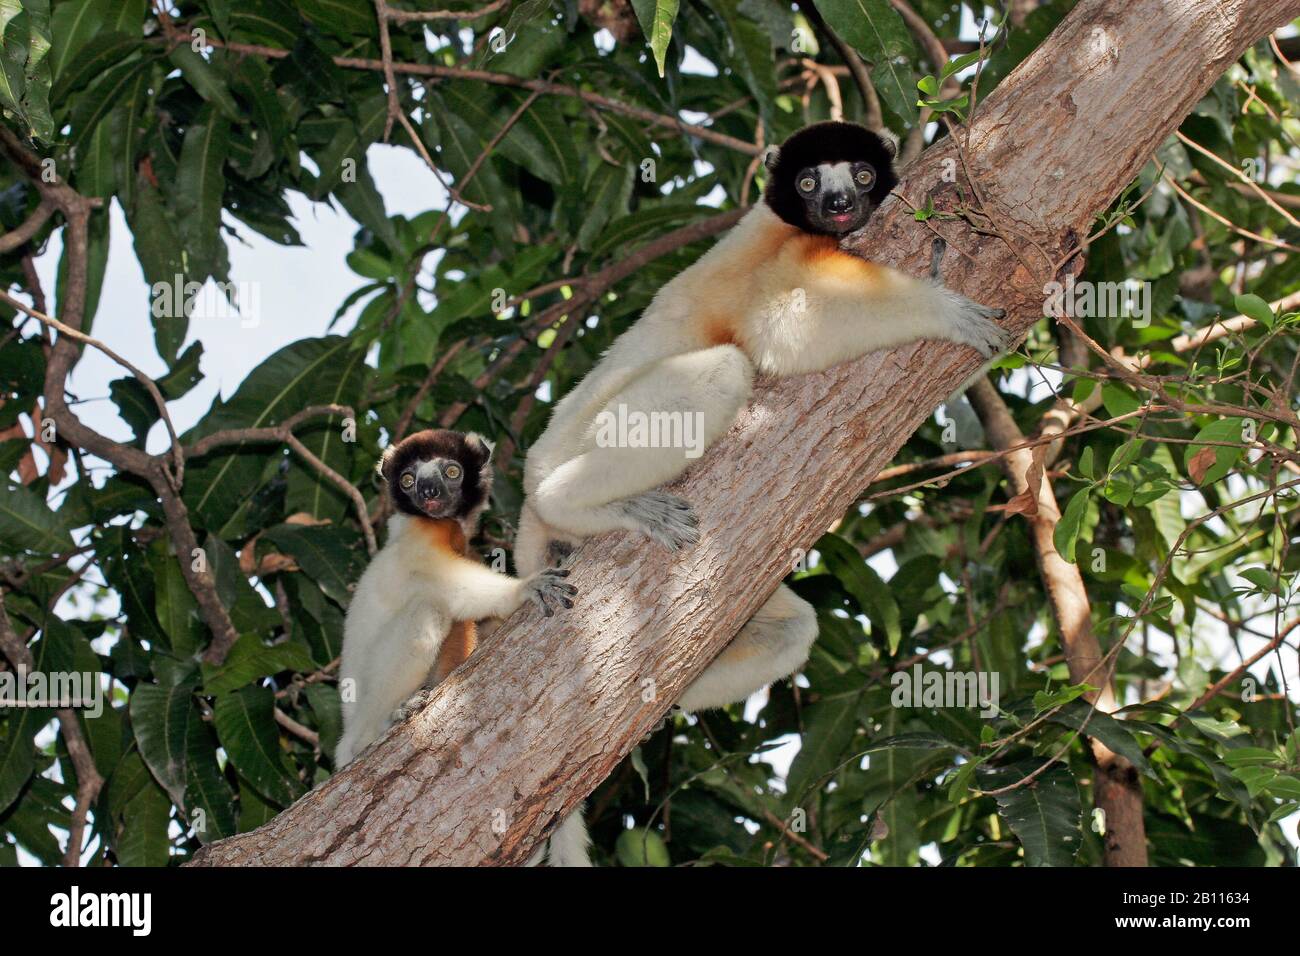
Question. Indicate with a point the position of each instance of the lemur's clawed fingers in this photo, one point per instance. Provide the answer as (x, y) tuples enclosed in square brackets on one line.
[(548, 588)]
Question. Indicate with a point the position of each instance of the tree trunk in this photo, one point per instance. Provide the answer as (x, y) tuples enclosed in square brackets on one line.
[(517, 737)]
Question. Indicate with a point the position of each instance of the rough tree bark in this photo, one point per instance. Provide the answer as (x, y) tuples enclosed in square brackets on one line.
[(540, 715)]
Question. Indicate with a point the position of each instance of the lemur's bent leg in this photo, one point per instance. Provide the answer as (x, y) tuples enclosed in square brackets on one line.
[(695, 397), (774, 643)]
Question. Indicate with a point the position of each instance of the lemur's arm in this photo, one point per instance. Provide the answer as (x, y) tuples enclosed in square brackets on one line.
[(849, 307), (473, 592)]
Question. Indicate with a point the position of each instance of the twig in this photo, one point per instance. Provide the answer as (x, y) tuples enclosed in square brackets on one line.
[(177, 475), (439, 71), (298, 730), (1251, 186), (283, 432), (28, 228), (1225, 221), (425, 16)]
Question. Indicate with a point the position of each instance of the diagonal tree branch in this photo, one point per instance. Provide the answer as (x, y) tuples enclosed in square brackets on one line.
[(516, 738)]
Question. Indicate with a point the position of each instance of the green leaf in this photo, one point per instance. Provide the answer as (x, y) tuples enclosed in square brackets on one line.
[(642, 847), (325, 553), (877, 31), (1256, 308), (656, 18), (99, 54), (24, 64), (1066, 535), (1231, 430), (28, 524), (829, 726), (1044, 814), (247, 729), (200, 184), (251, 659), (606, 196), (1119, 400), (207, 80), (74, 24), (144, 840), (160, 719), (104, 95), (299, 375), (1080, 716), (866, 586)]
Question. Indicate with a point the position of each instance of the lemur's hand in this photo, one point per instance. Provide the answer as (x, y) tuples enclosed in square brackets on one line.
[(976, 325), (547, 587), (666, 518)]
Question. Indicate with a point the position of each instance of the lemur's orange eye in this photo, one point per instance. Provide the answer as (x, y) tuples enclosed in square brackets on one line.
[(453, 471), (865, 177), (408, 481), (807, 184)]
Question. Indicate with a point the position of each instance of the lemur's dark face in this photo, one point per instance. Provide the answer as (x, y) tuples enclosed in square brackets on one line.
[(438, 473), (829, 178)]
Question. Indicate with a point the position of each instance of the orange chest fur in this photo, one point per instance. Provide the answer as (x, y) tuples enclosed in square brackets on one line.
[(784, 260), (447, 537)]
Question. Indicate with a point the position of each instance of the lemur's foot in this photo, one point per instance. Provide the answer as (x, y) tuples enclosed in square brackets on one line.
[(666, 518), (412, 705), (976, 325), (558, 552), (548, 590)]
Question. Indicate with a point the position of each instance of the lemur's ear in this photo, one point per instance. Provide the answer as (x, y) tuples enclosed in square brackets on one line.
[(890, 140), (381, 466), (770, 156), (480, 446)]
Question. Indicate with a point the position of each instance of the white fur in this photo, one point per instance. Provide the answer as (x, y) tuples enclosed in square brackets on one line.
[(403, 607), (785, 312)]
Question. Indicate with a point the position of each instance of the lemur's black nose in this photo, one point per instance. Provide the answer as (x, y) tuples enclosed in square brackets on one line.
[(839, 202), (430, 489)]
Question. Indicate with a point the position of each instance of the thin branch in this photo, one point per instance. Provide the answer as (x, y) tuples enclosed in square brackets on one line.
[(349, 489), (1225, 221), (305, 734), (1251, 186), (28, 228), (439, 71), (426, 16), (1217, 687), (238, 436), (178, 456), (283, 432)]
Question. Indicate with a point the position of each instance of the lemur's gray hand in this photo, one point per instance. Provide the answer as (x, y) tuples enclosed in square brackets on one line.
[(411, 705), (666, 518), (976, 325), (548, 587), (972, 324)]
